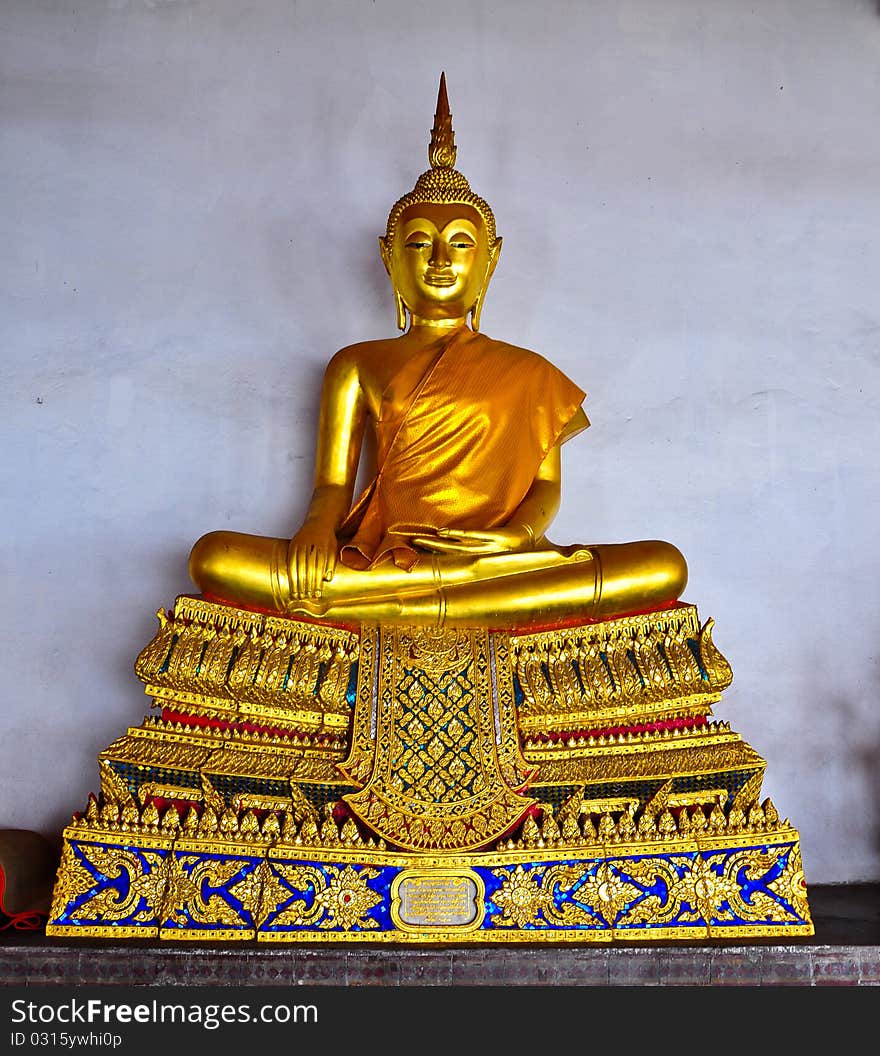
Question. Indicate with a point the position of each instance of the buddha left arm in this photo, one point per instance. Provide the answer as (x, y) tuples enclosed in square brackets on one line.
[(529, 522)]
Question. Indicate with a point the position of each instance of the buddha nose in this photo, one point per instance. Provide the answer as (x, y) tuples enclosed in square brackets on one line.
[(439, 254)]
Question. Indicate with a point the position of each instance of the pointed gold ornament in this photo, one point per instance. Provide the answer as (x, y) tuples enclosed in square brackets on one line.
[(441, 184)]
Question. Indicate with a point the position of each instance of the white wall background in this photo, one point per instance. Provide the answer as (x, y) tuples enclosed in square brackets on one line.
[(689, 193)]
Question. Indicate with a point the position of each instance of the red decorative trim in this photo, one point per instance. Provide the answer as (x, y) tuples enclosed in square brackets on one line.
[(583, 621), (646, 727), (215, 599), (168, 715), (341, 810), (162, 803), (515, 631), (535, 811)]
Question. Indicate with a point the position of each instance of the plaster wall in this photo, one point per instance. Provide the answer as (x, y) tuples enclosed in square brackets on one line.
[(690, 203)]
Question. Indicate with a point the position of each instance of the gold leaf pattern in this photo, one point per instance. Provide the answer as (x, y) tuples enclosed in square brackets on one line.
[(109, 903), (445, 742), (607, 892), (521, 897), (347, 899), (74, 880)]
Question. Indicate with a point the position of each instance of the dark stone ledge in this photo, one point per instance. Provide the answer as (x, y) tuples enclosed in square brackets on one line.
[(844, 951)]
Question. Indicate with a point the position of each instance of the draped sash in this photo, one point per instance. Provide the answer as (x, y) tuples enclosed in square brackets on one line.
[(463, 428)]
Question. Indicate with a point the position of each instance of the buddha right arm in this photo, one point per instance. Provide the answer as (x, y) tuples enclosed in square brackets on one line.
[(313, 551)]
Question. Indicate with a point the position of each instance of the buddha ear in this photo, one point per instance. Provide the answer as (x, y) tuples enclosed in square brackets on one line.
[(476, 311), (400, 307), (385, 253)]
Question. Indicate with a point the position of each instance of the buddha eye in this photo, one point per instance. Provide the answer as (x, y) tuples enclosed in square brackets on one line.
[(417, 245), (462, 245)]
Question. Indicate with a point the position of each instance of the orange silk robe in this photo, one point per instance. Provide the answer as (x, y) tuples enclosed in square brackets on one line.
[(463, 428)]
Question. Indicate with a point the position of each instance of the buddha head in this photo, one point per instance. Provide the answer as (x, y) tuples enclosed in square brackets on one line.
[(440, 248)]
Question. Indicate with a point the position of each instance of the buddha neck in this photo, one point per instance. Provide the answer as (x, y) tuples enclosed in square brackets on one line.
[(420, 325)]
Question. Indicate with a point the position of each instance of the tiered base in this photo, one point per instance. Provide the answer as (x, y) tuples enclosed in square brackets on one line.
[(315, 784), (717, 887)]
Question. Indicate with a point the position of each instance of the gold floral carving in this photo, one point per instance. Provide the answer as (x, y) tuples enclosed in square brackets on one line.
[(704, 888), (341, 896), (346, 898), (144, 876), (623, 885), (521, 897), (608, 892), (792, 884), (638, 668), (660, 757), (74, 880), (438, 730), (186, 902), (227, 658), (535, 897)]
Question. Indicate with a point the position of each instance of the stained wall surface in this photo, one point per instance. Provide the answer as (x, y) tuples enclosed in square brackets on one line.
[(689, 199)]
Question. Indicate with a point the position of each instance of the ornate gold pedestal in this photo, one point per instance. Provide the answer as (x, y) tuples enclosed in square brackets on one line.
[(305, 782)]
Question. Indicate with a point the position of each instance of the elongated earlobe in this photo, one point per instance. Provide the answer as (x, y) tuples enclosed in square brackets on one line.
[(477, 309), (385, 253), (401, 311)]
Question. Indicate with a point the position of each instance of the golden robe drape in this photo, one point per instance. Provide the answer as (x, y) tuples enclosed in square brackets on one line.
[(462, 431)]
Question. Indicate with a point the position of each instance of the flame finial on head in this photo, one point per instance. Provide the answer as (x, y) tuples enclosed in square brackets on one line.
[(442, 184), (441, 152)]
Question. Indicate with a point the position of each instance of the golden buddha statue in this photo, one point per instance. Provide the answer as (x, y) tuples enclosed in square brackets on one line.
[(332, 763), (452, 528)]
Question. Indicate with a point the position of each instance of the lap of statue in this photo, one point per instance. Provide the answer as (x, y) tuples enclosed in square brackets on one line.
[(536, 587)]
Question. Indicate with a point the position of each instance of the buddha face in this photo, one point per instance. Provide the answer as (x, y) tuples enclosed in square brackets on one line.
[(440, 260)]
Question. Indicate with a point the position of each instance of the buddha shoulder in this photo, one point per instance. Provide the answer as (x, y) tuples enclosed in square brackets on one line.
[(550, 385), (514, 354), (366, 366), (359, 360)]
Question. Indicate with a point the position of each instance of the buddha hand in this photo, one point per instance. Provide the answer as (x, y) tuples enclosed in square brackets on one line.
[(509, 539), (311, 560)]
